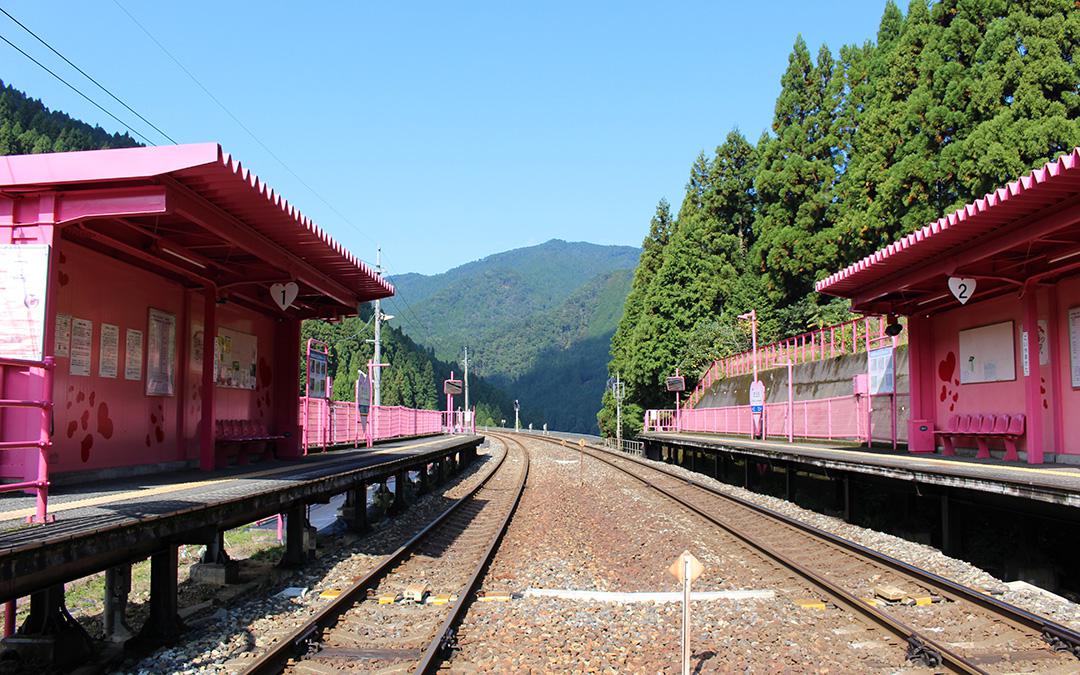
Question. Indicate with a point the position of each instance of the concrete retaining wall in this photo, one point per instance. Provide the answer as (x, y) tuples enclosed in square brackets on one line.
[(817, 380)]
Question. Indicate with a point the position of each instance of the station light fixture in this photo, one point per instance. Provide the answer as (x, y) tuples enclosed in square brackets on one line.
[(894, 327)]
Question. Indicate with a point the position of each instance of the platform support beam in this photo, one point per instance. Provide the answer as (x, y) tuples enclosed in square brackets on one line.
[(296, 527), (1032, 383), (789, 481), (354, 510), (117, 588), (401, 487), (948, 541), (848, 497), (746, 473), (50, 635), (163, 624), (423, 482)]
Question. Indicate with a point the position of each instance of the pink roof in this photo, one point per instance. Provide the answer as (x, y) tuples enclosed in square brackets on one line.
[(1000, 212), (212, 174)]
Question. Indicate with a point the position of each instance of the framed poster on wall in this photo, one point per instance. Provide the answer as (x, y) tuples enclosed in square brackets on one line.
[(988, 354), (1074, 346), (23, 284), (161, 354), (235, 358)]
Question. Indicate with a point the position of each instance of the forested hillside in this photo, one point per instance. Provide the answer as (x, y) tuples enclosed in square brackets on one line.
[(27, 126), (414, 377), (868, 143), (537, 320)]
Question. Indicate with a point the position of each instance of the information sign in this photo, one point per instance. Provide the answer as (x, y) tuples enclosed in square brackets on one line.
[(23, 282), (676, 383), (82, 340), (757, 396), (62, 342), (160, 354), (882, 371), (133, 352), (317, 371), (109, 350), (363, 393), (452, 387)]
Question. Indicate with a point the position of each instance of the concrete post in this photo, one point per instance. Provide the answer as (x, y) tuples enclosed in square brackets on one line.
[(48, 635), (354, 511), (163, 625), (401, 485), (117, 588), (296, 525)]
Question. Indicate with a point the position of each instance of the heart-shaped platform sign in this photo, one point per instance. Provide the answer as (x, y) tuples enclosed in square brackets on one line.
[(962, 288), (284, 294)]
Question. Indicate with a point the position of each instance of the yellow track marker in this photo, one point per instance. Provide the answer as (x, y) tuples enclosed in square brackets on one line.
[(810, 603), (330, 593)]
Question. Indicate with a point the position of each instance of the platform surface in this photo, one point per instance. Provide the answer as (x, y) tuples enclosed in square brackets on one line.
[(1056, 483), (109, 503)]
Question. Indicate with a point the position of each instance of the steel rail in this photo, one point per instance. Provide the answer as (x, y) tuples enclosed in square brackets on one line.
[(275, 659), (1060, 637), (445, 638), (920, 647)]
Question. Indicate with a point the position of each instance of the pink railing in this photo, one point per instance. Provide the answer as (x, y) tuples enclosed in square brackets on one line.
[(40, 485), (326, 423), (837, 418), (850, 337)]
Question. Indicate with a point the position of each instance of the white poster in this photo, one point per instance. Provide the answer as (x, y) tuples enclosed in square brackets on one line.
[(133, 348), (82, 341), (988, 353), (161, 354), (109, 350), (62, 345), (23, 284), (1044, 347), (880, 367), (1074, 345)]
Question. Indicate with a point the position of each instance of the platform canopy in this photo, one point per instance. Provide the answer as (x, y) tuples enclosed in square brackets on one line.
[(1026, 232), (192, 213)]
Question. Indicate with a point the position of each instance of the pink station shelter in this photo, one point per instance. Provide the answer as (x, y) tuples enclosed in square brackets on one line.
[(973, 285), (161, 291)]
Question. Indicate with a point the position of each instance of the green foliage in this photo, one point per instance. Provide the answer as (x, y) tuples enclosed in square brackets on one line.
[(949, 102), (414, 377), (537, 320), (28, 127)]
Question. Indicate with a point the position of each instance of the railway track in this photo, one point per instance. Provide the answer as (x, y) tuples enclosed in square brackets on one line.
[(944, 625), (402, 614)]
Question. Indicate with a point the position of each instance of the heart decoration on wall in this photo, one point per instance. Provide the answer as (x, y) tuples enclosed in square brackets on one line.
[(284, 294), (962, 288)]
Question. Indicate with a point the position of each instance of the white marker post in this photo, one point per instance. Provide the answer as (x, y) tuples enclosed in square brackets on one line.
[(686, 569)]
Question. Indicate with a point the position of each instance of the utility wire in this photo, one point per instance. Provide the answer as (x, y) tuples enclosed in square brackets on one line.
[(240, 123), (86, 75), (76, 90)]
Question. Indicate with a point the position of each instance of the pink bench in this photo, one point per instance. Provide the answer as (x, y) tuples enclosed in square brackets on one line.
[(983, 428), (240, 439)]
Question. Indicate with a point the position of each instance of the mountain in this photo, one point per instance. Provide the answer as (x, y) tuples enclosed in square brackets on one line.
[(27, 127), (537, 321)]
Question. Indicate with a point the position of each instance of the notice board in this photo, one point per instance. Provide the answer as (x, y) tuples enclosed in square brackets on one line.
[(988, 353), (24, 277), (235, 357)]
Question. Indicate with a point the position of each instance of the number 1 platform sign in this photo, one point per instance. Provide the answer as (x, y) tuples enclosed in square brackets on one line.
[(24, 277)]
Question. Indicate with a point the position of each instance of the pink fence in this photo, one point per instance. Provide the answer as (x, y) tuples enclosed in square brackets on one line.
[(326, 423), (850, 337), (839, 418)]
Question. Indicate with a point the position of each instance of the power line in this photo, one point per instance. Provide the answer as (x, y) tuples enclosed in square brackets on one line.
[(85, 74), (240, 123), (76, 90)]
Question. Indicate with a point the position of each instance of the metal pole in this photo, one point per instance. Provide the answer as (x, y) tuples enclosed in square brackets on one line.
[(618, 410), (790, 402), (377, 374), (466, 378), (517, 423), (678, 413), (686, 616)]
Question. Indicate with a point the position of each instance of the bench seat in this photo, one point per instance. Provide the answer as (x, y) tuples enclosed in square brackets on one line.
[(983, 428), (241, 439)]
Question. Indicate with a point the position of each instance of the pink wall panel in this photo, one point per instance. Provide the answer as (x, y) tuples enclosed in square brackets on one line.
[(1068, 293), (105, 422), (951, 397)]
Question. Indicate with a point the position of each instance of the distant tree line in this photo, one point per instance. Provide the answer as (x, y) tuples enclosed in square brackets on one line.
[(28, 127), (950, 101)]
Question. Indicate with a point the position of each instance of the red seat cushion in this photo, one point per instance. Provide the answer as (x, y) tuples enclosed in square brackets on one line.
[(965, 424), (987, 424), (1016, 425), (1001, 424)]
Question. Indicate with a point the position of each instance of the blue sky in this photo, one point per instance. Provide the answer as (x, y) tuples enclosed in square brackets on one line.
[(443, 131)]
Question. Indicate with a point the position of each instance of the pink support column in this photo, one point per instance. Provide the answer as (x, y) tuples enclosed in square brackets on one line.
[(1053, 334), (1032, 391), (206, 431)]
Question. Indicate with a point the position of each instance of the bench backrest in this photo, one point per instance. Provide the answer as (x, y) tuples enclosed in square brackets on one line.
[(953, 424), (1016, 424), (965, 424), (987, 425), (1001, 424)]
